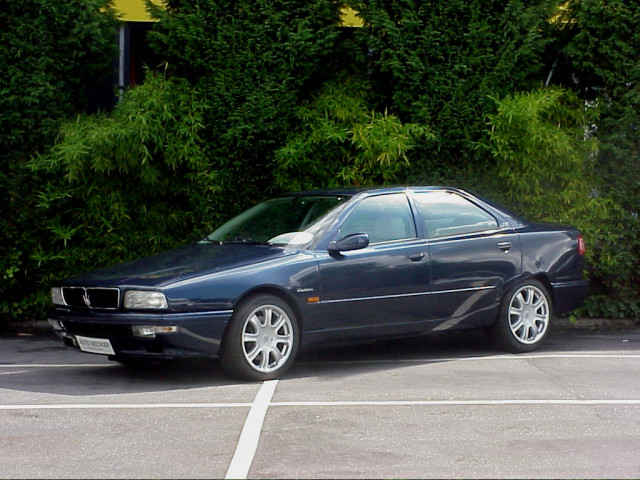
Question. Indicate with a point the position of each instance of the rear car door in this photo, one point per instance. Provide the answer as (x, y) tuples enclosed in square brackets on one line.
[(473, 254)]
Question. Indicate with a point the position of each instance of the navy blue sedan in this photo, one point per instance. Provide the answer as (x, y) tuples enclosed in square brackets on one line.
[(319, 267)]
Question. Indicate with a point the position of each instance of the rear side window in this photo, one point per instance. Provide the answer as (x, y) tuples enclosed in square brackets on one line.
[(384, 218), (446, 213)]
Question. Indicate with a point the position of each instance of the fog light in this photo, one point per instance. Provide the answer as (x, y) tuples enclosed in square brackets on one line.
[(150, 331), (143, 331)]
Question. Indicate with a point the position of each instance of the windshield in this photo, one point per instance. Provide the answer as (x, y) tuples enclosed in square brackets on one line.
[(279, 221)]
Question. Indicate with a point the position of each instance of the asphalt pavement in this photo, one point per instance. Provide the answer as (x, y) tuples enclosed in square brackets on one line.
[(442, 407)]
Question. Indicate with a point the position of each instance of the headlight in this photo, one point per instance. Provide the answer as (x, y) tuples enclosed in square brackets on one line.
[(144, 299), (56, 296)]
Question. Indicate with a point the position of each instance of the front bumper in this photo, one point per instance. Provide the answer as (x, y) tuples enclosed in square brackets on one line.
[(197, 334)]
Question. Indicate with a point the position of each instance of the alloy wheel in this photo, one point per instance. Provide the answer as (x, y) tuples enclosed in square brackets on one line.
[(529, 314), (267, 338)]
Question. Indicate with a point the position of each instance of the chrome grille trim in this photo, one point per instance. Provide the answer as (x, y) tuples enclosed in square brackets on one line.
[(94, 298)]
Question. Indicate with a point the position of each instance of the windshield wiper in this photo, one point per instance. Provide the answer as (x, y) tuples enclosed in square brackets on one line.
[(210, 240), (241, 241), (234, 241)]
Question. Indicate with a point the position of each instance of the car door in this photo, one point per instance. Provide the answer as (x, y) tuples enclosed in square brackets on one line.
[(385, 283), (473, 254)]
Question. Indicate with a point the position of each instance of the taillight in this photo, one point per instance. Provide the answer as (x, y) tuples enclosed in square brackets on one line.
[(582, 249)]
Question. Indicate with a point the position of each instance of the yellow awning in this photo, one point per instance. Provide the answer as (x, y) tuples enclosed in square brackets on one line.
[(135, 11)]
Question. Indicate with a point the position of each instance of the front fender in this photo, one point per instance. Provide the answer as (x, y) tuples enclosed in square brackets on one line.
[(296, 276)]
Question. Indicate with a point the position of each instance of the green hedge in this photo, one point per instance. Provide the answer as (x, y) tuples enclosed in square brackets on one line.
[(52, 53), (257, 97)]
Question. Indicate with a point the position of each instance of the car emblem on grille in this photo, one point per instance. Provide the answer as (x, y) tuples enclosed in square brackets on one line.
[(85, 297)]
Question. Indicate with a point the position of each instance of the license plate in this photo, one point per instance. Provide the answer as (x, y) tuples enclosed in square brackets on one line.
[(95, 345)]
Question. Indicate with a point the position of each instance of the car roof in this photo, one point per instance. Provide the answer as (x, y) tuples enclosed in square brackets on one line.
[(515, 219), (351, 191)]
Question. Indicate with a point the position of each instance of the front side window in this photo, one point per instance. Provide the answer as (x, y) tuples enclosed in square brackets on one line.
[(446, 213), (384, 218)]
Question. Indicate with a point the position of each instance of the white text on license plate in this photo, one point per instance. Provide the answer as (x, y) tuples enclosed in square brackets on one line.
[(95, 345)]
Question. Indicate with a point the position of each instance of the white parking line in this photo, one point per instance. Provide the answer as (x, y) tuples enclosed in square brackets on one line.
[(255, 419), (250, 436), (430, 403), (630, 356), (58, 365), (124, 406), (476, 358), (517, 356)]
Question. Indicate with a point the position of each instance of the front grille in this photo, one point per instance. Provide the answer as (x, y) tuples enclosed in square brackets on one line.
[(91, 297)]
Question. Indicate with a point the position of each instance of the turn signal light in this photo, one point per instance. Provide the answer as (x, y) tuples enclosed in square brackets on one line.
[(150, 331)]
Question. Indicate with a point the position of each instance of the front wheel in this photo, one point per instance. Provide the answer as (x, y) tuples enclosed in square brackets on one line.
[(525, 318), (261, 340)]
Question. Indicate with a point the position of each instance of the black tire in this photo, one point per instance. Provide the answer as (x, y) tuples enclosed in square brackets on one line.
[(525, 318), (261, 340)]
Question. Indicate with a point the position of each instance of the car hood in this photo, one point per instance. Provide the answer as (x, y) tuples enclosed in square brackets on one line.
[(180, 264)]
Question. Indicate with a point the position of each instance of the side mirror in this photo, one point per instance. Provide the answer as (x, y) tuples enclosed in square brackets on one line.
[(355, 241)]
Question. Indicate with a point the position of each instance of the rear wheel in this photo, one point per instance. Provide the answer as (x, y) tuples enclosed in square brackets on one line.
[(525, 318), (261, 340)]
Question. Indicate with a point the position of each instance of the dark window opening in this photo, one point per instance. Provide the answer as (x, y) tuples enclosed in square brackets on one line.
[(140, 53), (129, 67)]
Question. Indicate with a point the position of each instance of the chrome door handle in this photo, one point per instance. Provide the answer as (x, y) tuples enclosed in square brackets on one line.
[(416, 257), (504, 246)]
